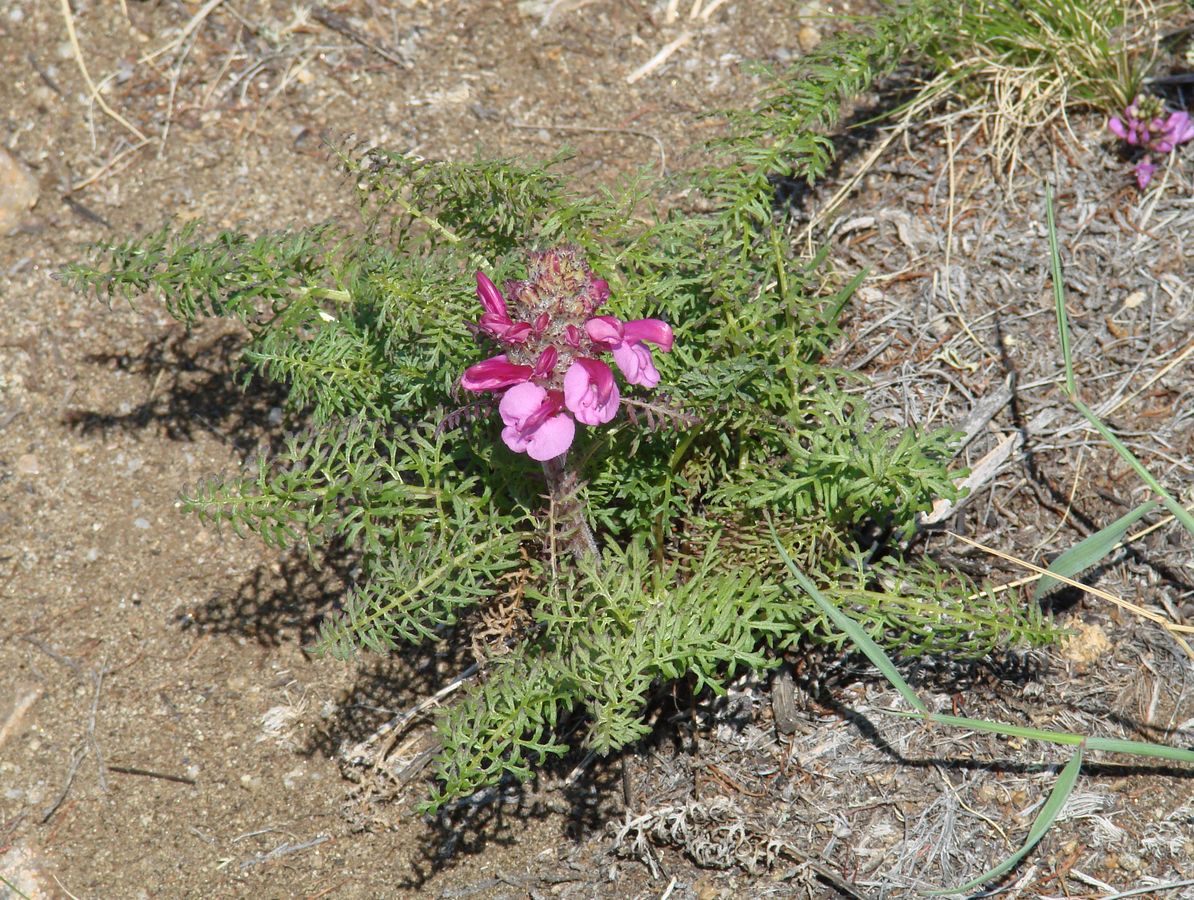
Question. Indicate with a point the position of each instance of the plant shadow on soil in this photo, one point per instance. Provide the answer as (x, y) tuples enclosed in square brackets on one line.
[(189, 389)]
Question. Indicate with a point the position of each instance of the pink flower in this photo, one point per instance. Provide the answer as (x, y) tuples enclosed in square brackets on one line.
[(496, 320), (1145, 125), (490, 296), (534, 424), (1122, 131), (549, 378), (493, 374), (591, 392), (1144, 172), (1177, 129), (625, 341)]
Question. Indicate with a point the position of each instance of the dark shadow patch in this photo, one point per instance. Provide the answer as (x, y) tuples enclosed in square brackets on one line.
[(281, 601), (190, 387), (856, 134)]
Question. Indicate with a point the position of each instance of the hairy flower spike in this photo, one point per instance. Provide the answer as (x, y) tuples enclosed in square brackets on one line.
[(1144, 124), (549, 375)]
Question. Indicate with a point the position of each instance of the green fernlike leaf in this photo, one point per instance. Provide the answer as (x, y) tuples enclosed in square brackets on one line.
[(1091, 550), (880, 659), (1042, 823)]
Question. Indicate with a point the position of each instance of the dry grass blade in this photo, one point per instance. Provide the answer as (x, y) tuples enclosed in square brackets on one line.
[(69, 18), (1093, 549)]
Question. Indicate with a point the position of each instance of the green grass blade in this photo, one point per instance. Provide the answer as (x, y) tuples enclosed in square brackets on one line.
[(1138, 748), (1107, 745), (1063, 327), (1091, 550), (1044, 820), (872, 650), (1179, 512), (1063, 330)]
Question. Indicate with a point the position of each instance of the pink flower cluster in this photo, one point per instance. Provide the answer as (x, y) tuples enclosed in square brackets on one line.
[(549, 375), (1144, 124)]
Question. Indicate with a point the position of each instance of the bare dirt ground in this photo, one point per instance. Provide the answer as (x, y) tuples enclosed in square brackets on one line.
[(164, 734)]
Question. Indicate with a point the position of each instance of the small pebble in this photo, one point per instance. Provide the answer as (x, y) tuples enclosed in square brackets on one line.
[(808, 38), (18, 192), (141, 523), (1130, 862), (28, 464)]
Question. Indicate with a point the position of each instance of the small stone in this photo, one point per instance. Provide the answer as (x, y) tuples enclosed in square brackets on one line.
[(141, 523), (18, 192), (250, 783), (1134, 299), (1130, 862), (808, 37), (28, 464), (1086, 646)]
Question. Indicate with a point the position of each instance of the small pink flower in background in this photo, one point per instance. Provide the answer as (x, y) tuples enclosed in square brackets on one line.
[(550, 376), (1144, 173), (1144, 124)]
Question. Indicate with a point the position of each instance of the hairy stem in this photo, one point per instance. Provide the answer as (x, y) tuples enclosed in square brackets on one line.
[(563, 485)]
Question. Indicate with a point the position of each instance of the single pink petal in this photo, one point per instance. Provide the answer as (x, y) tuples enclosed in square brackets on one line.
[(572, 336), (1179, 128), (494, 374), (495, 323), (604, 330), (490, 296), (1144, 172), (1118, 128), (521, 402), (1161, 145), (653, 330), (541, 322), (634, 359), (599, 291), (517, 333), (546, 362), (590, 391), (552, 438), (534, 424)]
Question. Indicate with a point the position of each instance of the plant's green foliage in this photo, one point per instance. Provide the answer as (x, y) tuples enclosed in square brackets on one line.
[(231, 275), (783, 136), (368, 329)]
